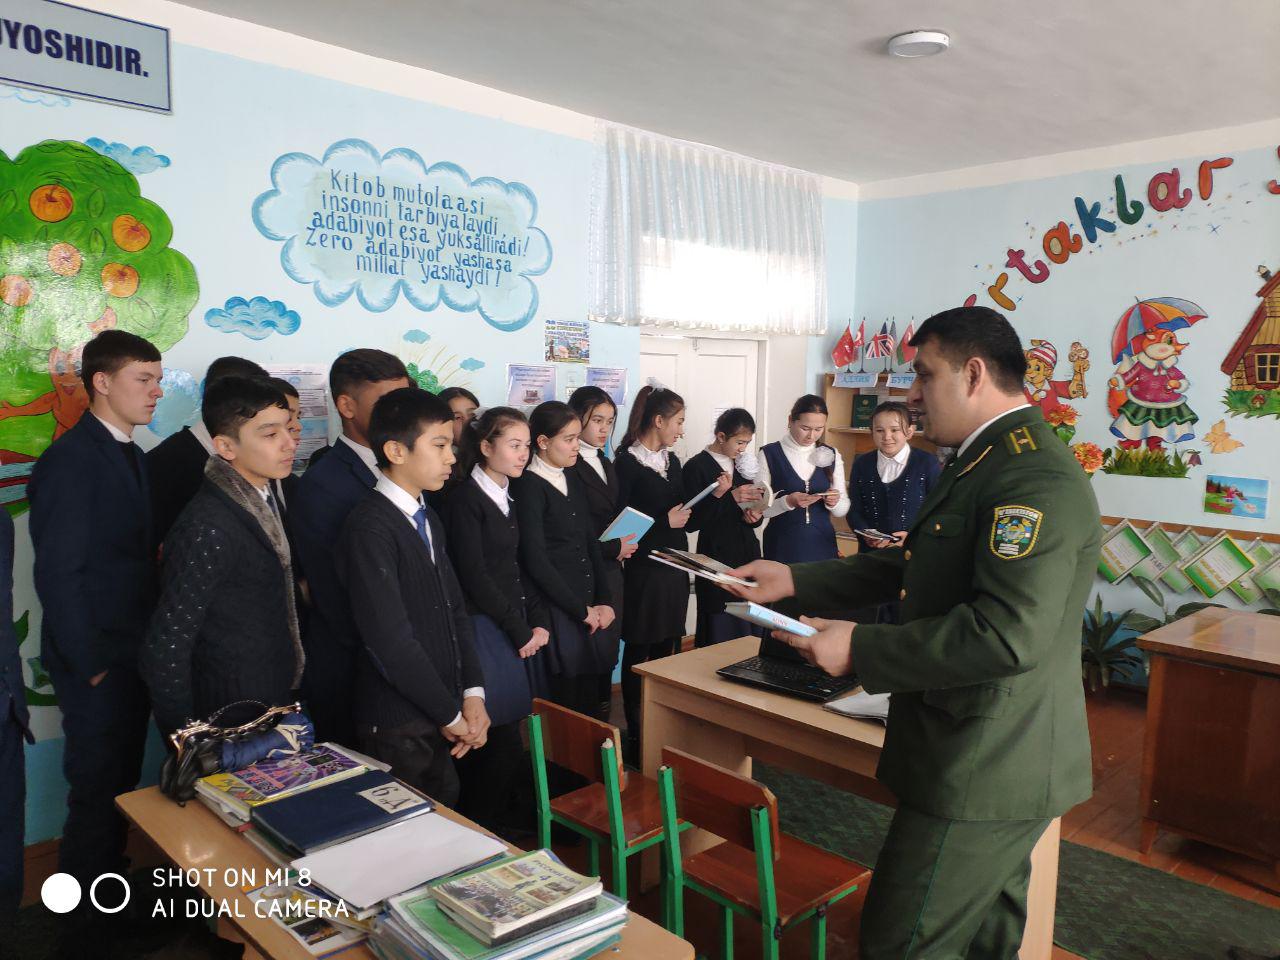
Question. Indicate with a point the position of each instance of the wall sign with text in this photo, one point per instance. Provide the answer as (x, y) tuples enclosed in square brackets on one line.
[(376, 225), (54, 46)]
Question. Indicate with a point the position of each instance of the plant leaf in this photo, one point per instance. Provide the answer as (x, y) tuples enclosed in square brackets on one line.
[(1154, 593)]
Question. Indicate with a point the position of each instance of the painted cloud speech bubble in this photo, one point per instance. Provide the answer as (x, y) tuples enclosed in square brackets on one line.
[(378, 225)]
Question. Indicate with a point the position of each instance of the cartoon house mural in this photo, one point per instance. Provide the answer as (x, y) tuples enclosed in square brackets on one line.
[(1254, 361)]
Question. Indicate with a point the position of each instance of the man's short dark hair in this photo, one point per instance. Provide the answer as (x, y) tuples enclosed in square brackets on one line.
[(232, 402), (965, 332), (232, 367), (355, 368), (111, 350), (284, 386), (402, 415)]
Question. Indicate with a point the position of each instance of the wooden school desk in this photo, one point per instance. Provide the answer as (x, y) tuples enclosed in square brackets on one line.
[(1211, 762), (686, 705), (192, 837)]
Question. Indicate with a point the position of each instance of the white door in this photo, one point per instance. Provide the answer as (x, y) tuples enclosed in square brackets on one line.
[(710, 373)]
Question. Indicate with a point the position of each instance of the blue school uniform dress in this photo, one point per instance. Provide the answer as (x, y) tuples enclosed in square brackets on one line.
[(801, 534), (888, 506), (892, 506)]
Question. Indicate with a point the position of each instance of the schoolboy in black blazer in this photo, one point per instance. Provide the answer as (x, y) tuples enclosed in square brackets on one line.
[(95, 574), (419, 693), (318, 507)]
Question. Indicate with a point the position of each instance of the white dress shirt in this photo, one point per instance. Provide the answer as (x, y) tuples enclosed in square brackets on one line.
[(115, 431), (968, 441), (890, 468), (799, 458), (500, 495), (593, 457), (553, 475), (409, 506), (723, 462), (364, 453)]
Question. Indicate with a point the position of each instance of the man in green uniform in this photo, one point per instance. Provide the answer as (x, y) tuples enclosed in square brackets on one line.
[(986, 740)]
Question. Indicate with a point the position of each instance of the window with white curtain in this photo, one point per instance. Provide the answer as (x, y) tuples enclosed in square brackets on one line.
[(686, 235)]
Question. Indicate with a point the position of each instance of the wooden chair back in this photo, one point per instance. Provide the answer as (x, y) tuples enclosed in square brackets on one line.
[(572, 740), (719, 800)]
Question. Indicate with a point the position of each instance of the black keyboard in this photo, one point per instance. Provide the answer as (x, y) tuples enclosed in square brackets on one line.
[(799, 679)]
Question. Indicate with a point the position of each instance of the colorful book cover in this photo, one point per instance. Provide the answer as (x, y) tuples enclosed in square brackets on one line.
[(272, 779)]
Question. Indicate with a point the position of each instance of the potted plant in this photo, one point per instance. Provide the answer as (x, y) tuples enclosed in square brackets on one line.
[(1102, 655)]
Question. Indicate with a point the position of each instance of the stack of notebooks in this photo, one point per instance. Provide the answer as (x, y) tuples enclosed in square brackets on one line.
[(525, 907)]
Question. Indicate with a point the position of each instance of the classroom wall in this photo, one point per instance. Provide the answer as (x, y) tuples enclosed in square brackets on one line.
[(247, 101), (928, 244)]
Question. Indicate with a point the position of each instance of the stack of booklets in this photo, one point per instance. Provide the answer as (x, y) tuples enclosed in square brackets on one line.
[(525, 907), (232, 796), (698, 564)]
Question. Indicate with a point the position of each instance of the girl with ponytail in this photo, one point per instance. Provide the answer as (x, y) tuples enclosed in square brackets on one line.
[(597, 413), (512, 625), (656, 597)]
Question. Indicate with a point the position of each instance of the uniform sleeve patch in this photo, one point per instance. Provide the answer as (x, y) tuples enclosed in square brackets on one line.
[(1014, 531)]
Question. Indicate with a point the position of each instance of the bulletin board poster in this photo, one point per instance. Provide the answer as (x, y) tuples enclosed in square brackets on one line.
[(310, 380), (529, 384), (612, 380), (568, 341)]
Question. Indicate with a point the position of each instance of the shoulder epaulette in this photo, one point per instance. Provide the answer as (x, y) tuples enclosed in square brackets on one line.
[(1020, 440)]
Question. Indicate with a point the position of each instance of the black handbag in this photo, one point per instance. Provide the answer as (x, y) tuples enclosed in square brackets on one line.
[(198, 748)]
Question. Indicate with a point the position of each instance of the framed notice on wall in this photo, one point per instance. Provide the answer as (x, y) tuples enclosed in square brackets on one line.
[(54, 46), (1122, 549), (1217, 565)]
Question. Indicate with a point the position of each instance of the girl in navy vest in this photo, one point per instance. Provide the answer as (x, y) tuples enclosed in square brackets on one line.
[(656, 597), (888, 485), (597, 413), (560, 552), (807, 480), (512, 625), (726, 532)]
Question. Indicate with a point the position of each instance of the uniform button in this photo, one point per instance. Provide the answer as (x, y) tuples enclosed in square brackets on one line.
[(906, 555), (937, 527), (902, 594)]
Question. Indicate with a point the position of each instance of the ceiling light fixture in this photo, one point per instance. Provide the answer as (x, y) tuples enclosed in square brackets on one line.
[(919, 43)]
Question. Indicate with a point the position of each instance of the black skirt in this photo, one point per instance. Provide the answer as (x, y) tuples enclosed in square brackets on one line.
[(510, 682), (608, 642), (655, 603), (574, 652)]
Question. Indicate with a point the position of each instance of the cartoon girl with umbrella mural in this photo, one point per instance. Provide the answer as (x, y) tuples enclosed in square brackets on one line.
[(1148, 391)]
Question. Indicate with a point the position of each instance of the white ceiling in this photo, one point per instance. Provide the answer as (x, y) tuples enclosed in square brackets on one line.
[(807, 82)]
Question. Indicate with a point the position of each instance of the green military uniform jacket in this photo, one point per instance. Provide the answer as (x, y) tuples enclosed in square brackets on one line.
[(987, 718)]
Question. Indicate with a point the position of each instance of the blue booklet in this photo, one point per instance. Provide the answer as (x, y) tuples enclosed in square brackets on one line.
[(630, 522), (319, 818)]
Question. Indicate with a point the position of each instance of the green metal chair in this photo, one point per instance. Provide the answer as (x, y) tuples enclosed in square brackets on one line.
[(773, 879), (615, 809)]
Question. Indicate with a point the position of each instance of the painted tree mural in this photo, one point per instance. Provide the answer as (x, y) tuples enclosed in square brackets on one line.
[(81, 250)]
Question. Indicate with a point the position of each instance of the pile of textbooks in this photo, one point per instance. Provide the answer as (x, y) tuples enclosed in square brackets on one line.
[(233, 796), (524, 907)]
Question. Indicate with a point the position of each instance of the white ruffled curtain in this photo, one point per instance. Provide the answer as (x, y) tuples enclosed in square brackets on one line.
[(686, 235)]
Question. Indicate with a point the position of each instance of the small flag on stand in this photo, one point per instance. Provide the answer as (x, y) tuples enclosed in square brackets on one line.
[(881, 344), (842, 352), (906, 353)]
